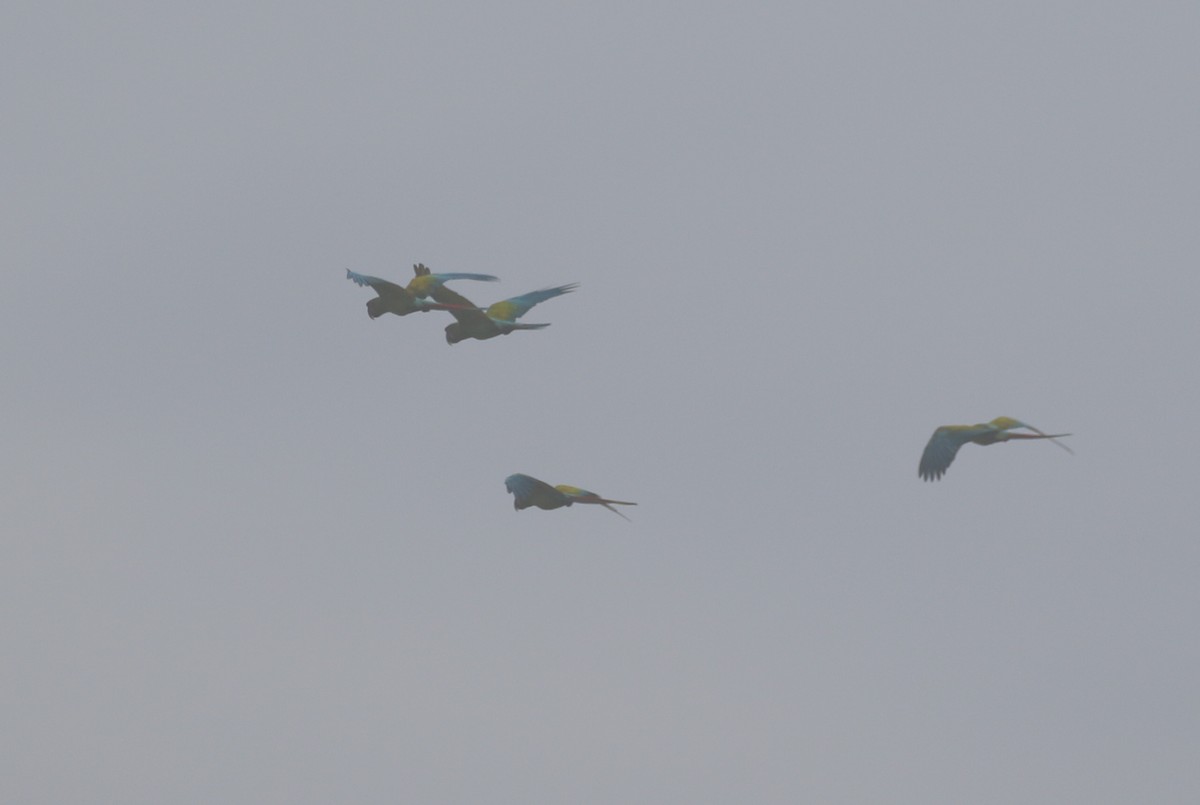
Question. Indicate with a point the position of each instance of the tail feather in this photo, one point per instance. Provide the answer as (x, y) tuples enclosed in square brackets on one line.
[(605, 503), (614, 511), (1053, 437)]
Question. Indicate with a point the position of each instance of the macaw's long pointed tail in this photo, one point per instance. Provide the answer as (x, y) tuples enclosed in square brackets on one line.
[(608, 500), (444, 306), (1054, 437), (516, 325), (605, 503)]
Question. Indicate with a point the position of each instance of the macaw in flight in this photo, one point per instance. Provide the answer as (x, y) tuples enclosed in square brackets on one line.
[(528, 491), (946, 440), (498, 319), (424, 281), (397, 299)]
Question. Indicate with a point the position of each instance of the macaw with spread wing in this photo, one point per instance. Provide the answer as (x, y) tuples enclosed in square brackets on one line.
[(397, 299), (498, 319), (946, 440), (528, 491), (425, 281)]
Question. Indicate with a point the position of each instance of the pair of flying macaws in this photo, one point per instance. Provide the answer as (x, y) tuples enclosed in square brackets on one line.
[(939, 453), (480, 323), (470, 321)]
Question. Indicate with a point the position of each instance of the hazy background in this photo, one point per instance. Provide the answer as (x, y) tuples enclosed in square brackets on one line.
[(257, 547)]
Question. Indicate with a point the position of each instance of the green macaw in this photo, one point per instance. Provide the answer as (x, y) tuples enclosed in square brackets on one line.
[(946, 440), (498, 319), (528, 491)]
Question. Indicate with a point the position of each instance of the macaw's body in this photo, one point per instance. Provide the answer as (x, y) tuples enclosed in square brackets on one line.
[(423, 284), (498, 319), (946, 440), (397, 299), (528, 491)]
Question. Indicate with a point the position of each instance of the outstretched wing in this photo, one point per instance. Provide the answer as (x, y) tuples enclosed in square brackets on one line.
[(942, 448), (529, 491), (518, 306), (381, 286), (423, 284), (463, 275)]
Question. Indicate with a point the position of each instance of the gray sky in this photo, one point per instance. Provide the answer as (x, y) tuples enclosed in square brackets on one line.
[(257, 546)]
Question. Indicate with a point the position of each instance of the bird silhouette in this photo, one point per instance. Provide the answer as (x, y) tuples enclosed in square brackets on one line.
[(498, 319), (946, 440), (529, 491)]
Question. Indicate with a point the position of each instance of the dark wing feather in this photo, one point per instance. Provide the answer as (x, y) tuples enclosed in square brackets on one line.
[(464, 309), (939, 453), (381, 286)]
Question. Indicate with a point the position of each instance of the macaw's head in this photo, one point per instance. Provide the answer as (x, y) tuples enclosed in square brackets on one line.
[(454, 333), (376, 307)]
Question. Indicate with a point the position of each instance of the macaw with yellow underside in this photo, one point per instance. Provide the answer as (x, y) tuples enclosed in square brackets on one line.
[(498, 319), (424, 282), (529, 491), (946, 440)]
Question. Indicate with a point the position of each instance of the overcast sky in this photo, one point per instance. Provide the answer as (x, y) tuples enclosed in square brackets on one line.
[(257, 546)]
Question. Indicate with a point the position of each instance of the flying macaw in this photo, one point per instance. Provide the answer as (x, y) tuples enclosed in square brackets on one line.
[(946, 440), (394, 298), (499, 319), (423, 284), (528, 491)]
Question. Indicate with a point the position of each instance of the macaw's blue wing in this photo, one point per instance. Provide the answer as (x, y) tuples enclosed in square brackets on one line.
[(381, 286), (392, 298), (518, 306), (463, 275), (422, 285), (529, 491), (942, 448)]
